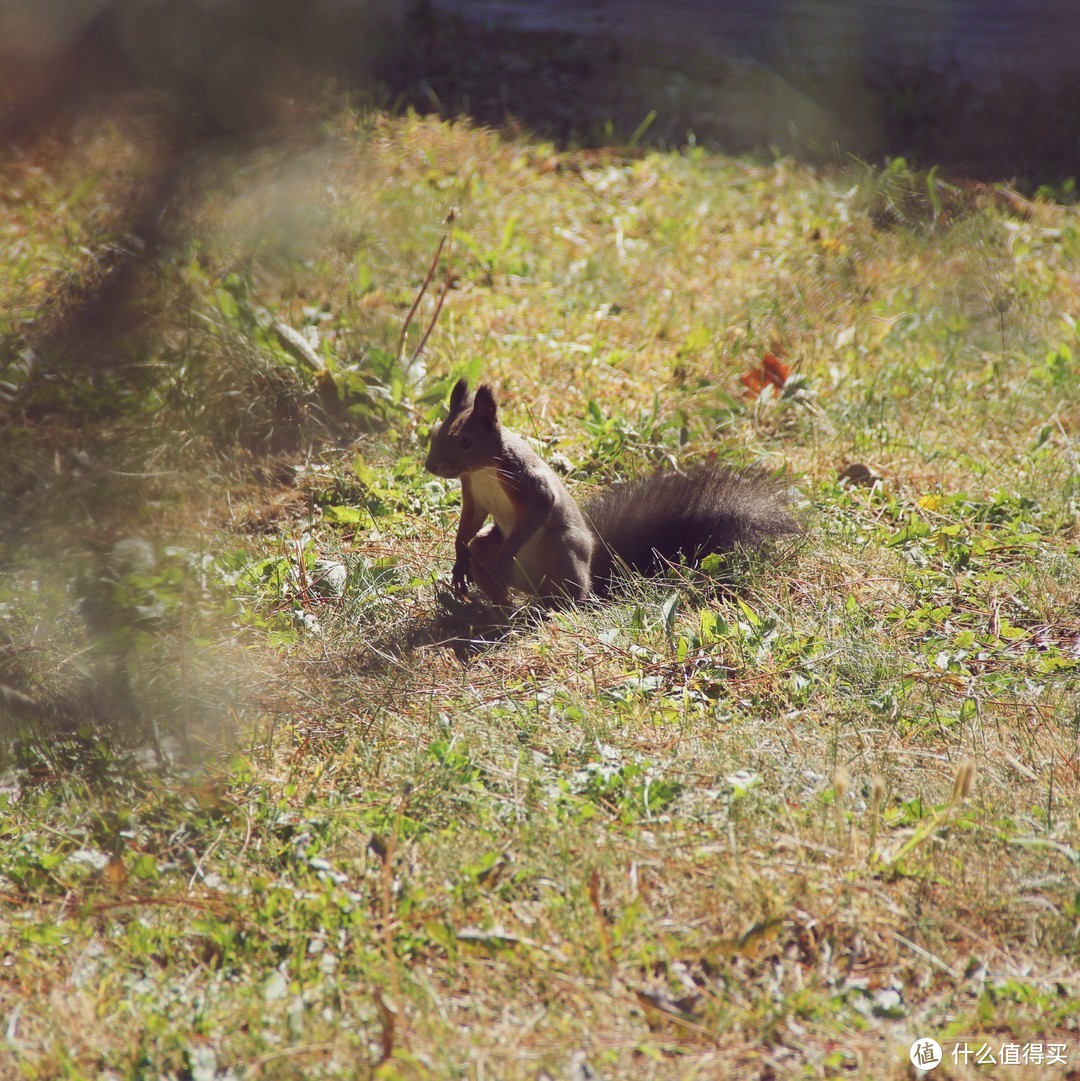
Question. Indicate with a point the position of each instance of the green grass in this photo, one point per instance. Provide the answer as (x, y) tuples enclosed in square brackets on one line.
[(254, 830)]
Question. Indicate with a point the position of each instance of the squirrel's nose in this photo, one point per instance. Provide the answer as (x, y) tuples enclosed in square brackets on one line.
[(433, 465)]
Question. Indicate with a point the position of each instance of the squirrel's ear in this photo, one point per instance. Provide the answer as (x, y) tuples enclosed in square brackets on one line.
[(459, 395), (484, 406)]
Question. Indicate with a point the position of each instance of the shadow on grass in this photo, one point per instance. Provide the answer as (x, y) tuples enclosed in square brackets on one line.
[(468, 629)]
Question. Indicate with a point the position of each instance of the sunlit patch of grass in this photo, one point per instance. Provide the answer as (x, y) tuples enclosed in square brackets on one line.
[(723, 824)]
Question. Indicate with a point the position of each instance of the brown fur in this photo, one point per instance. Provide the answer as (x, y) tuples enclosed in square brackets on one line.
[(541, 543)]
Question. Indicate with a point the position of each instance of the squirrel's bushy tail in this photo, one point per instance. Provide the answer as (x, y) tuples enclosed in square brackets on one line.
[(672, 515)]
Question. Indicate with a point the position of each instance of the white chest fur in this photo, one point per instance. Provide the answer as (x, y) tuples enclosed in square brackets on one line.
[(489, 494)]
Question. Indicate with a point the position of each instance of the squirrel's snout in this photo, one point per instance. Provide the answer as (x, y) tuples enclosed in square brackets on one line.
[(439, 467)]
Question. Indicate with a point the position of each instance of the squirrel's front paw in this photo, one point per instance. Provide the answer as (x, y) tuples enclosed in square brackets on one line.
[(461, 576)]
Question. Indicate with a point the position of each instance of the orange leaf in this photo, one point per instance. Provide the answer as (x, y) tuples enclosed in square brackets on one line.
[(773, 372)]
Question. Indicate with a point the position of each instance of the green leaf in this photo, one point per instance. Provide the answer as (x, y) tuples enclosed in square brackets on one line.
[(668, 611), (363, 474), (339, 515)]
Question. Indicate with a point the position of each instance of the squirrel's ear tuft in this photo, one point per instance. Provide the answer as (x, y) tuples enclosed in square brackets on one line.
[(484, 405), (459, 395)]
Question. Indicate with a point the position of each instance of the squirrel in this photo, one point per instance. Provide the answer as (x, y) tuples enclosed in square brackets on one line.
[(541, 542)]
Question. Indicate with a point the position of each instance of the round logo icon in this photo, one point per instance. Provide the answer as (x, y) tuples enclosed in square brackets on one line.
[(925, 1054)]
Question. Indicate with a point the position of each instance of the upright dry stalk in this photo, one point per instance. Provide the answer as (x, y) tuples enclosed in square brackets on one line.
[(450, 219), (841, 783), (963, 782), (877, 798)]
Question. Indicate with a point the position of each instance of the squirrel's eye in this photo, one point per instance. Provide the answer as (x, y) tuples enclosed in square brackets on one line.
[(465, 442)]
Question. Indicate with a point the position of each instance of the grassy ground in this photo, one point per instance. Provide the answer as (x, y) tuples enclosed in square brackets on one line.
[(252, 829)]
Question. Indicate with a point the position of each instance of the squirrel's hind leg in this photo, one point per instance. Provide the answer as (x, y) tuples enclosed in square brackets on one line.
[(567, 577)]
